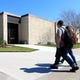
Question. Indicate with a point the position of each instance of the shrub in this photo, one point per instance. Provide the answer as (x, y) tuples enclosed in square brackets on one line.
[(39, 43), (2, 43), (49, 43)]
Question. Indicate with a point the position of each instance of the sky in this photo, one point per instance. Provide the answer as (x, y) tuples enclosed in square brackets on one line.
[(48, 9)]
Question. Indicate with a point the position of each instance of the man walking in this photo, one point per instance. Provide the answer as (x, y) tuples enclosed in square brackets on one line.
[(74, 39), (61, 50)]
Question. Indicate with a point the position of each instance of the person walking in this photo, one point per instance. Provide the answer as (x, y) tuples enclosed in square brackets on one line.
[(69, 49), (61, 50)]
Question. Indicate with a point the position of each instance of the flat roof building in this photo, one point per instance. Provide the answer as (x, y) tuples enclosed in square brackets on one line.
[(27, 29)]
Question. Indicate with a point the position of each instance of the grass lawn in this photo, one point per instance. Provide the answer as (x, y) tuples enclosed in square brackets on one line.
[(76, 45), (16, 49), (53, 45), (49, 44)]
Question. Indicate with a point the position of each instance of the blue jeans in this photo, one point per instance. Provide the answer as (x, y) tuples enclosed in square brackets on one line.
[(69, 50), (62, 52)]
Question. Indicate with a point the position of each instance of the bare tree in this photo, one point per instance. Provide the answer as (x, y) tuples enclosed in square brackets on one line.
[(72, 19)]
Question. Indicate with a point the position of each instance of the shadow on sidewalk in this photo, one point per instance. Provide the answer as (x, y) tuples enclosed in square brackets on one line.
[(47, 65), (42, 68)]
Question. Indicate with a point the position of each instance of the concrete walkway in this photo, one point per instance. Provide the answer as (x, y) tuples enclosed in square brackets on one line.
[(62, 74), (28, 65)]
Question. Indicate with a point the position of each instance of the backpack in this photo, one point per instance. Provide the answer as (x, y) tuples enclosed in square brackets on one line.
[(74, 37), (69, 38)]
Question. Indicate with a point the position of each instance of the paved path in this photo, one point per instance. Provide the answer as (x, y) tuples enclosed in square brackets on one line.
[(62, 74), (4, 76), (28, 65)]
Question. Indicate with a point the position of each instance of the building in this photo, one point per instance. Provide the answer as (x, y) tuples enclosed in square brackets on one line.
[(27, 29)]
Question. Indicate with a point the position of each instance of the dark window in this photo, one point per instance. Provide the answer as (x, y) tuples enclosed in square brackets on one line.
[(12, 33)]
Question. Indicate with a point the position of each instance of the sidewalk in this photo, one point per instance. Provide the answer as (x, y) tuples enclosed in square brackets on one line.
[(29, 65), (62, 74)]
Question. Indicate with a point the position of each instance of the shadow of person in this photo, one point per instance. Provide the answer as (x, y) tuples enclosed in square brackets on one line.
[(43, 64), (36, 69), (48, 65), (42, 68)]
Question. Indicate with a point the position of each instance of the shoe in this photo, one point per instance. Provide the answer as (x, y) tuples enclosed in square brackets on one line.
[(53, 67), (74, 69)]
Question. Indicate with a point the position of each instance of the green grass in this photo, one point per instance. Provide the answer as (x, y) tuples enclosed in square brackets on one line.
[(16, 49), (76, 45), (53, 45), (49, 45)]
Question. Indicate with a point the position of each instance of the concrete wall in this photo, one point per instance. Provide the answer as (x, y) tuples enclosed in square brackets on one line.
[(1, 25), (5, 27), (24, 29), (41, 30)]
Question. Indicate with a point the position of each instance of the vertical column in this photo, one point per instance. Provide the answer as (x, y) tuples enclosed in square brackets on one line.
[(5, 27)]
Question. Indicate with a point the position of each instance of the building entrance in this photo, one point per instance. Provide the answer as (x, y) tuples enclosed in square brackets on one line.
[(12, 33)]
